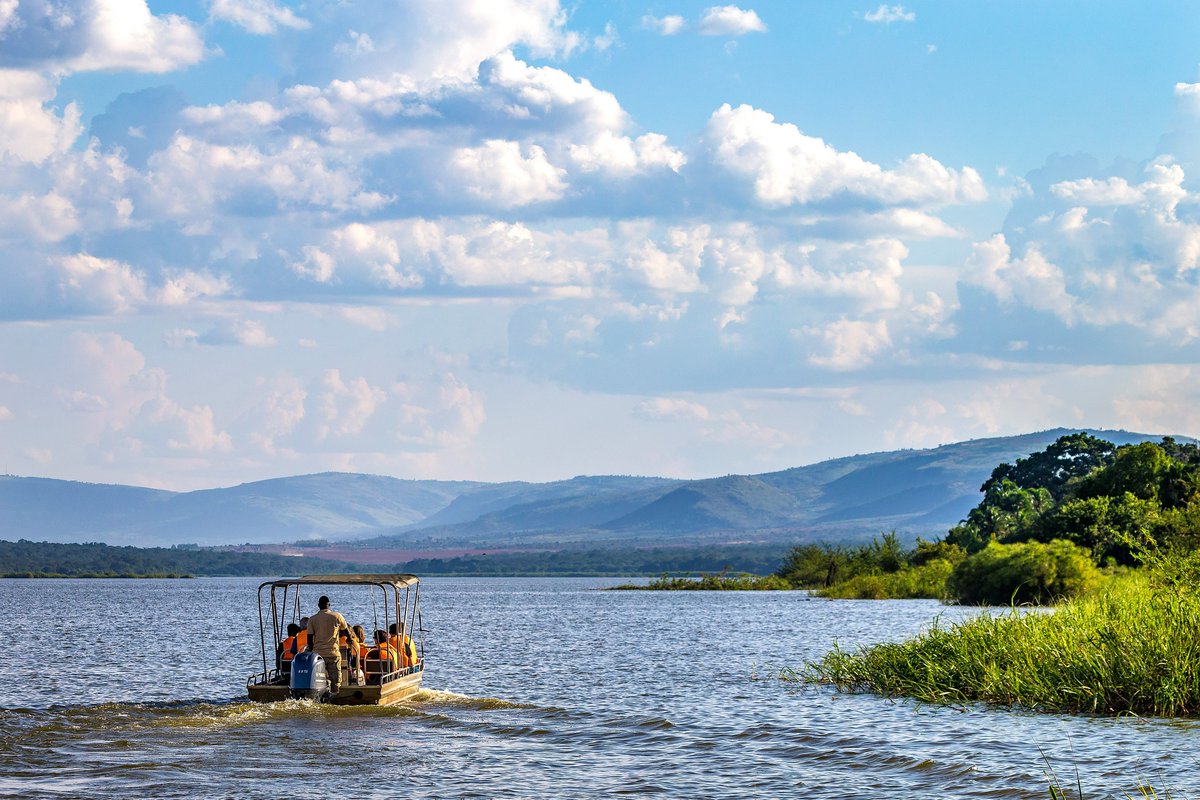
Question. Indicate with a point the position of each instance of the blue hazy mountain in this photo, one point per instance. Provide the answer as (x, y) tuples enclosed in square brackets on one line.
[(915, 492), (282, 509)]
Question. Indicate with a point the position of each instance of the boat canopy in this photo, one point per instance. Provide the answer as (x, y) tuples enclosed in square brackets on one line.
[(395, 580)]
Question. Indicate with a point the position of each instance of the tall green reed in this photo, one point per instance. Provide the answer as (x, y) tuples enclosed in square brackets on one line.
[(1131, 648)]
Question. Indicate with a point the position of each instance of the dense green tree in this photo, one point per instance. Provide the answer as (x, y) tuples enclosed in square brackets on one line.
[(1067, 458), (812, 565), (1185, 452), (1148, 472), (1101, 523), (1006, 513)]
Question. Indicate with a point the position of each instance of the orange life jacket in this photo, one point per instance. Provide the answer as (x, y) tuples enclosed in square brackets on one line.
[(408, 652), (293, 644), (382, 652)]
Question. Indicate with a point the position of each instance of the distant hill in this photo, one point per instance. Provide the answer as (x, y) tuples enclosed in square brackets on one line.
[(283, 509), (915, 492)]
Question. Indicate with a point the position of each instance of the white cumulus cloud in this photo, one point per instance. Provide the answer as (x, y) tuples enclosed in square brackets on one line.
[(888, 14), (730, 21), (665, 26), (787, 167), (500, 172), (257, 16)]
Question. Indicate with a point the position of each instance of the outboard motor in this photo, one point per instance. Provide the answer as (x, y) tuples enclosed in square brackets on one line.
[(308, 676)]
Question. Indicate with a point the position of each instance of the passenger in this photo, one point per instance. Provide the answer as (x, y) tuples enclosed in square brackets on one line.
[(349, 642), (403, 645), (287, 649), (381, 656), (323, 630), (360, 633), (302, 636)]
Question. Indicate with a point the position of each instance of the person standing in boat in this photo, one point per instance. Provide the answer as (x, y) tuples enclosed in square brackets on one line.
[(323, 630)]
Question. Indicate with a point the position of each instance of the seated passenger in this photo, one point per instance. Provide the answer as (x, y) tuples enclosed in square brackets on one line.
[(351, 645), (302, 636), (403, 645), (286, 650), (363, 647), (381, 658)]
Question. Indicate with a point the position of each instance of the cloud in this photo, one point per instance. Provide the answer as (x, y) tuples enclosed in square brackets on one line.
[(726, 427), (97, 35), (449, 416), (29, 130), (1089, 191), (261, 17), (47, 218), (665, 26), (1111, 256), (670, 408), (1029, 280), (500, 173), (355, 414), (729, 21), (849, 344), (102, 284), (282, 410), (786, 167), (346, 407), (447, 41), (710, 306), (125, 406), (244, 333), (608, 39), (83, 284), (888, 14)]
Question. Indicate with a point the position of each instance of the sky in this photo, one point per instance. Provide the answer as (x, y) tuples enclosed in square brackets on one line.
[(527, 240)]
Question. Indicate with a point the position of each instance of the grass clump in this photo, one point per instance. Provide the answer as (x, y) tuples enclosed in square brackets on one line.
[(723, 581), (1131, 647)]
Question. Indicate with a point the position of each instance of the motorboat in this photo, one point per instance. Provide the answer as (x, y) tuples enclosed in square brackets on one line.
[(393, 599)]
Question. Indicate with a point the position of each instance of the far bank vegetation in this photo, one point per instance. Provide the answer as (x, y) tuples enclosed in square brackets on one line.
[(1049, 527)]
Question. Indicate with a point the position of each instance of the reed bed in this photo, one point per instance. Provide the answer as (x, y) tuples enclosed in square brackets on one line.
[(1128, 648)]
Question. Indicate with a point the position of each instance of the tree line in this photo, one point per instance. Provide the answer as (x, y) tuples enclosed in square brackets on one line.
[(1046, 527), (27, 559)]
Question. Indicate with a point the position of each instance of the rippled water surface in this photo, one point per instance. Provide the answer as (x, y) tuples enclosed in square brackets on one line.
[(534, 688)]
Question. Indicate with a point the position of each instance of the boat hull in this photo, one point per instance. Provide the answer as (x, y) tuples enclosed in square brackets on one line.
[(274, 688)]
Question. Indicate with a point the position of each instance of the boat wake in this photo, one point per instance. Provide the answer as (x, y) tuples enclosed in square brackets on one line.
[(443, 697)]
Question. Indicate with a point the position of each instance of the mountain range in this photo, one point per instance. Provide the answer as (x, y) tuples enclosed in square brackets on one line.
[(914, 492)]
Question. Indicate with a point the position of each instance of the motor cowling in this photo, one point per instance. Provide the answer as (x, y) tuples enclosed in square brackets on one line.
[(309, 679)]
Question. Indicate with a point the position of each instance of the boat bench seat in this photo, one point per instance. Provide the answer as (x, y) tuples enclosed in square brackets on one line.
[(375, 669)]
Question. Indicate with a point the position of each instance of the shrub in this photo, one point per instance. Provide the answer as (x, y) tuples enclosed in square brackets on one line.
[(927, 581), (1026, 572)]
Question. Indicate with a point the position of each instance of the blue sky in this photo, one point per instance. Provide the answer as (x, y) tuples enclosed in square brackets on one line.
[(528, 240)]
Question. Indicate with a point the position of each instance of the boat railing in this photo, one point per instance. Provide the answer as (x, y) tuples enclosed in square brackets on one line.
[(388, 677), (265, 678)]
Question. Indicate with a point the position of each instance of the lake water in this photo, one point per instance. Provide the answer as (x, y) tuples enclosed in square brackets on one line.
[(538, 688)]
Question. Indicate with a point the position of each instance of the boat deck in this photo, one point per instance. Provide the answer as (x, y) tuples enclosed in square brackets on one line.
[(400, 685)]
